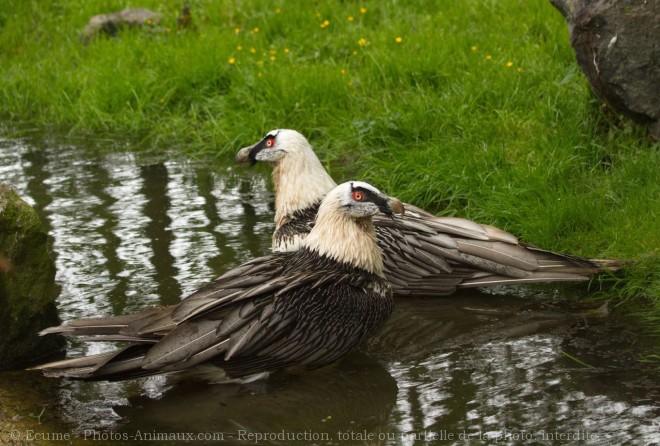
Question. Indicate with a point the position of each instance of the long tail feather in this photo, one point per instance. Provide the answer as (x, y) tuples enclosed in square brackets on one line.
[(132, 325), (118, 364)]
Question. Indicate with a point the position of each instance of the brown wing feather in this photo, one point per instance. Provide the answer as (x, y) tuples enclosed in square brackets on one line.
[(287, 317), (428, 255), (433, 256)]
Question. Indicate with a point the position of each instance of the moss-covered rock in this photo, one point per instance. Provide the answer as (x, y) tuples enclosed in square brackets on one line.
[(27, 284)]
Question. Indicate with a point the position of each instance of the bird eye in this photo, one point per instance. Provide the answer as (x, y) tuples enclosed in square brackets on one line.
[(358, 196), (270, 142)]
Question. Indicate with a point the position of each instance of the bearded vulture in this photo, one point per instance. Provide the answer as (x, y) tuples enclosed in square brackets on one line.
[(423, 254), (304, 308)]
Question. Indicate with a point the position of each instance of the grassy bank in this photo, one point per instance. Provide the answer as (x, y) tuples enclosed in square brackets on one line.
[(471, 108)]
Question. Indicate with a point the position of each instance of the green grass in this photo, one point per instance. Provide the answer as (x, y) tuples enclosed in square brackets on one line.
[(479, 111)]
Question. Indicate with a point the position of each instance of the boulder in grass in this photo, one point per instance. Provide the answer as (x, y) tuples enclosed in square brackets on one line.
[(27, 285), (617, 45), (110, 24)]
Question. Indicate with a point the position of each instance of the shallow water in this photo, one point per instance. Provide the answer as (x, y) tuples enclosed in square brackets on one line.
[(135, 230)]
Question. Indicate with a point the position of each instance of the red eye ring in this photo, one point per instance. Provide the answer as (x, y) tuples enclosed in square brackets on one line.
[(270, 142), (358, 196)]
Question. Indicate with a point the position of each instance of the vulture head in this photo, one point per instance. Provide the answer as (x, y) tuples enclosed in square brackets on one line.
[(359, 200), (299, 178), (344, 231), (274, 147)]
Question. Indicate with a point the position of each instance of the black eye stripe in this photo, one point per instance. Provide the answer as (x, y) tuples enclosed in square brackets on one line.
[(264, 142), (369, 195), (261, 145), (375, 198)]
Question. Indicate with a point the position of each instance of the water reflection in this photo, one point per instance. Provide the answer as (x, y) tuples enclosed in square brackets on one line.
[(157, 229), (129, 246), (488, 385), (357, 392), (132, 231)]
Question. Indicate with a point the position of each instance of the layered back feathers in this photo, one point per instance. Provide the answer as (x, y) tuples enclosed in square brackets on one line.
[(306, 308), (422, 254)]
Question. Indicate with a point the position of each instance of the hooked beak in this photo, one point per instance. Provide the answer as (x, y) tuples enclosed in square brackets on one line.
[(396, 205), (243, 156)]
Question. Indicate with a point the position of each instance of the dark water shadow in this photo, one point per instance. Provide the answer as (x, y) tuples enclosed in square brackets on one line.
[(357, 392), (155, 182)]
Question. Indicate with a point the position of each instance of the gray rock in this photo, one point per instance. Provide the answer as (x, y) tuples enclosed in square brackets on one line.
[(27, 285), (617, 45), (110, 24)]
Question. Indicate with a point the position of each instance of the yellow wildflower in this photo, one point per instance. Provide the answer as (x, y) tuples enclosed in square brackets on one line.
[(350, 18), (474, 48), (489, 57), (260, 62), (232, 60), (255, 30), (272, 58), (325, 23), (362, 41), (239, 48), (286, 51), (355, 53), (398, 39), (363, 10), (519, 69), (149, 22), (278, 10), (509, 64), (237, 30), (343, 72), (252, 50)]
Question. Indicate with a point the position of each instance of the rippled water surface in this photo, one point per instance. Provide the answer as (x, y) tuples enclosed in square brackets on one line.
[(131, 231)]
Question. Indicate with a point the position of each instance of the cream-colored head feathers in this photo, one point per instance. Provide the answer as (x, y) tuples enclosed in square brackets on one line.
[(344, 231), (299, 177)]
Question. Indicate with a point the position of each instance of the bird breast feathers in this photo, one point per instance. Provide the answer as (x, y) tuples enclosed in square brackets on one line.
[(346, 241)]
